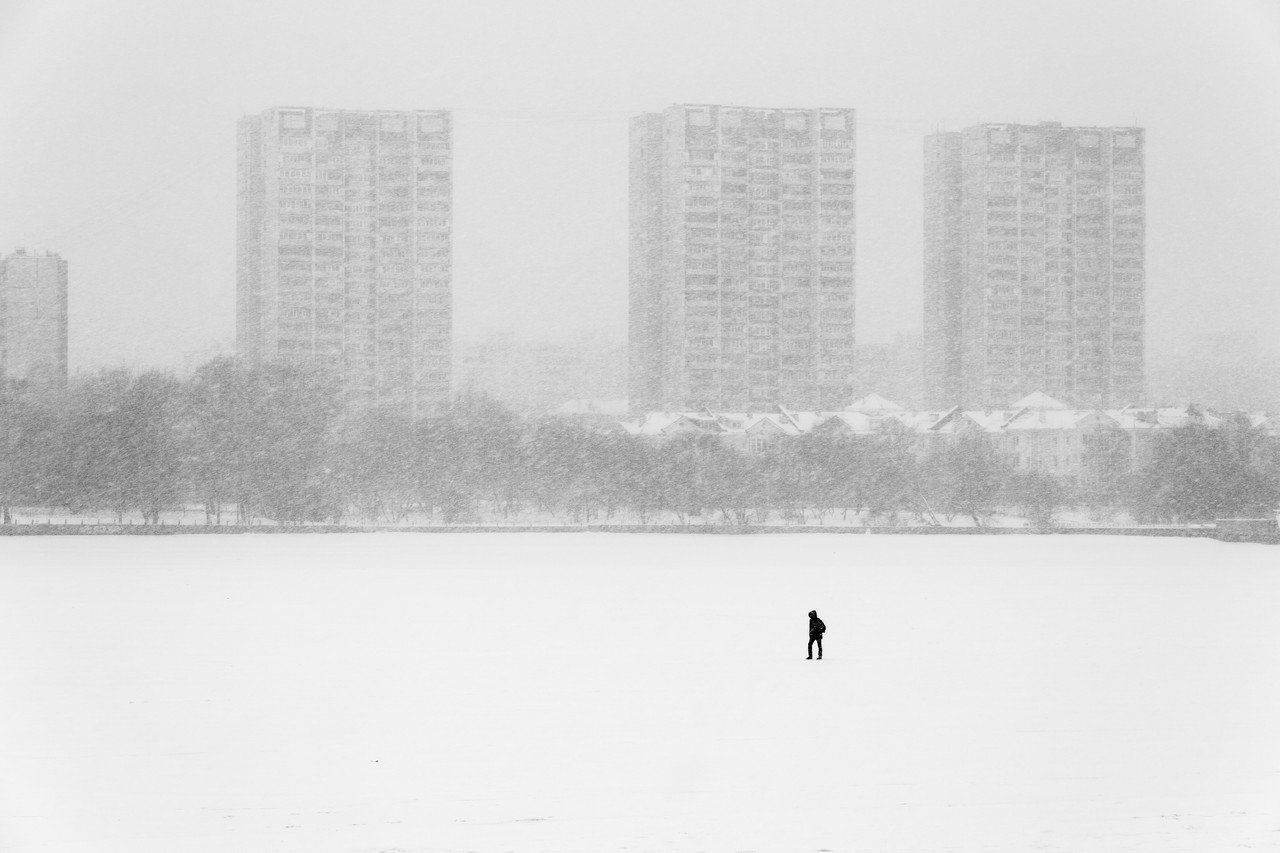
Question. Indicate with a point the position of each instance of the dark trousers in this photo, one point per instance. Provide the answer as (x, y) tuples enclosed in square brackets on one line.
[(815, 638)]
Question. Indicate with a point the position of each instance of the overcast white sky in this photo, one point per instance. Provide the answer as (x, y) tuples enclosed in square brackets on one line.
[(117, 137)]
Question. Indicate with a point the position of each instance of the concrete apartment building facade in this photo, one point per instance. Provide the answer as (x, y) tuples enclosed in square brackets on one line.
[(742, 258), (1033, 265), (344, 249), (33, 317)]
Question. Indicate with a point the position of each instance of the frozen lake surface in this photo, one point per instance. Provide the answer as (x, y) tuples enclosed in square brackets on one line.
[(598, 692)]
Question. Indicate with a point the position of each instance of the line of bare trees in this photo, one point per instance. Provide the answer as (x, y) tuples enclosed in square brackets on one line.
[(275, 444)]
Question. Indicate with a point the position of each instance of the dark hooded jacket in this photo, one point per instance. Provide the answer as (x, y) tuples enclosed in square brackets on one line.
[(816, 626)]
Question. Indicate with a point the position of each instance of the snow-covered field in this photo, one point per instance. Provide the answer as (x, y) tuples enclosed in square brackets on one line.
[(598, 692)]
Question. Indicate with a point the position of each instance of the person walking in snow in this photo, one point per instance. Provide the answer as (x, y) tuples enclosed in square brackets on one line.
[(816, 629)]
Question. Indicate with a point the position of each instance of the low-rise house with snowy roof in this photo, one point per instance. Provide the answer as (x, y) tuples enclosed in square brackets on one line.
[(938, 429), (844, 423), (664, 426), (1072, 444), (1086, 447), (759, 432)]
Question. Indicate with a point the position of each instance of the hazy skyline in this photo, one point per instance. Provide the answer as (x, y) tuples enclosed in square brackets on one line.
[(118, 141)]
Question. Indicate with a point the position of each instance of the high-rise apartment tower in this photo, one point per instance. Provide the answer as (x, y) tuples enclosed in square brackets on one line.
[(33, 317), (344, 249), (1033, 264), (742, 258)]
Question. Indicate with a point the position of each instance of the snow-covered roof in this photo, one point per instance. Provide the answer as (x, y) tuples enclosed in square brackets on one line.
[(670, 423), (956, 420), (1039, 400), (873, 404), (768, 423), (1048, 418), (874, 414), (1135, 419), (803, 421), (846, 421), (1269, 424)]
